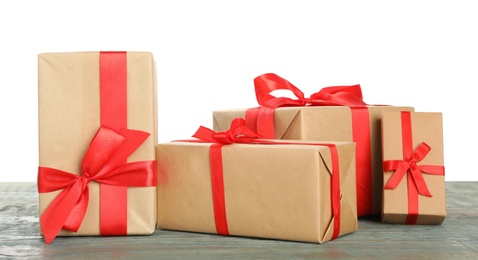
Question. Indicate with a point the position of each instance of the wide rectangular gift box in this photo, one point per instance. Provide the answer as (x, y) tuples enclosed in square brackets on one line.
[(97, 111), (274, 191), (334, 123), (414, 172)]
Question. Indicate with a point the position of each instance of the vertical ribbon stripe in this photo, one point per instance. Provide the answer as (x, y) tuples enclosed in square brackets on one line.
[(335, 189), (251, 119), (113, 113), (217, 185), (407, 147), (361, 137)]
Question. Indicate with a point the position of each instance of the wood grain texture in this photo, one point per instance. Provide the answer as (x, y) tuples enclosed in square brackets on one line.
[(456, 238)]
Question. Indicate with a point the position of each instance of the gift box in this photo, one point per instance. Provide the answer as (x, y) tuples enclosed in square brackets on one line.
[(413, 168), (334, 114), (97, 136), (298, 191)]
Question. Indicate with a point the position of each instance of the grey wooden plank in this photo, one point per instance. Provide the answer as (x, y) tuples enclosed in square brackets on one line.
[(456, 238)]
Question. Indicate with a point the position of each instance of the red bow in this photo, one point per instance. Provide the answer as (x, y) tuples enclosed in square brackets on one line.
[(104, 162), (329, 96), (410, 164), (262, 117), (238, 133)]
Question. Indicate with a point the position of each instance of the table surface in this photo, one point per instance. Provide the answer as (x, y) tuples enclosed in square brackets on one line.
[(456, 238)]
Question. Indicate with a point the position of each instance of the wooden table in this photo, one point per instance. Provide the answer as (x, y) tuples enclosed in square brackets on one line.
[(456, 238)]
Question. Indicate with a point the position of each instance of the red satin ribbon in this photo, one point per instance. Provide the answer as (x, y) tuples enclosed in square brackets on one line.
[(239, 133), (105, 163), (113, 113), (261, 119), (415, 180), (113, 193), (363, 166)]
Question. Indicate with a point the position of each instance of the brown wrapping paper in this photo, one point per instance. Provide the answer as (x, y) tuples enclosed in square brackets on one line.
[(426, 127), (271, 191), (69, 116), (322, 123)]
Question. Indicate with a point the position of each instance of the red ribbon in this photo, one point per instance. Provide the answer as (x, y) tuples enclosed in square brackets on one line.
[(106, 156), (105, 163), (113, 113), (261, 119), (239, 133), (416, 182)]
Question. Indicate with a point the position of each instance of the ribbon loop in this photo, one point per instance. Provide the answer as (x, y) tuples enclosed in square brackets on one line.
[(269, 82)]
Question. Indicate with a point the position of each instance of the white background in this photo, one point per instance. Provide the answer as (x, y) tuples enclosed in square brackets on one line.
[(412, 53)]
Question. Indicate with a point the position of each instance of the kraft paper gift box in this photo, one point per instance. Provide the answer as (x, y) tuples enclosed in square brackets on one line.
[(274, 191), (334, 114), (97, 136), (414, 173)]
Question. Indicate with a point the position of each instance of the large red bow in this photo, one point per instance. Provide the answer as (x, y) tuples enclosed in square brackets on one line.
[(104, 162), (410, 164), (328, 96), (262, 117)]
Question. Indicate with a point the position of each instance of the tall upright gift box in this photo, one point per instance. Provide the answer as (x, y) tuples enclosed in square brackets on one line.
[(332, 114), (413, 168), (97, 132)]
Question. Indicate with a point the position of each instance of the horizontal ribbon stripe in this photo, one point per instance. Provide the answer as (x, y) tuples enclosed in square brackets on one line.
[(363, 168)]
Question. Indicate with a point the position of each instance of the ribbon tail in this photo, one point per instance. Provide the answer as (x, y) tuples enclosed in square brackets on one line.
[(419, 181), (77, 214), (55, 216), (401, 168), (432, 169)]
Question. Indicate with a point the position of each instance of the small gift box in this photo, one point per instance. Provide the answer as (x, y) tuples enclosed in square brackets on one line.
[(413, 165), (231, 183), (97, 132), (333, 113)]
